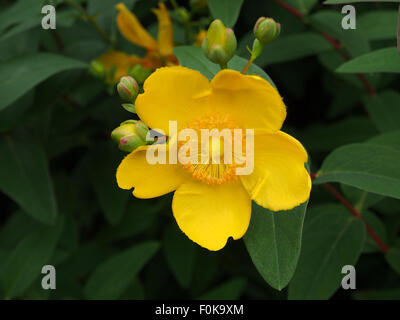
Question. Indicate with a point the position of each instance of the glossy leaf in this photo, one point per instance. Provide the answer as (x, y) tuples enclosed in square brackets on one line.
[(384, 110), (369, 167), (383, 60), (180, 253), (331, 240), (111, 278), (226, 10), (25, 177), (24, 264), (19, 75), (273, 241)]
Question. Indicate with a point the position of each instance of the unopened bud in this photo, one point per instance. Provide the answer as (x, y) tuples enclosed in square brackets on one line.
[(139, 73), (97, 70), (129, 135), (266, 30), (128, 89), (219, 45)]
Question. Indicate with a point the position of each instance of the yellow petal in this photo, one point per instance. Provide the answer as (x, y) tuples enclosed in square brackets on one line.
[(251, 100), (279, 180), (209, 215), (165, 33), (149, 180), (121, 61), (173, 93), (131, 28)]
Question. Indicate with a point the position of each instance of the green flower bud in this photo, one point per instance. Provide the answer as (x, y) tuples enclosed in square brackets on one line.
[(219, 45), (128, 89), (130, 143), (139, 73), (130, 135), (141, 129), (266, 30), (97, 70), (183, 15)]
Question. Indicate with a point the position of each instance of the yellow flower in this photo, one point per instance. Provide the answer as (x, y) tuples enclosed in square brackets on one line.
[(159, 53), (211, 203)]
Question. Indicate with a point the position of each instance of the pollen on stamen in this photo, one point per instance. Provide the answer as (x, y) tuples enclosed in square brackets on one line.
[(207, 163)]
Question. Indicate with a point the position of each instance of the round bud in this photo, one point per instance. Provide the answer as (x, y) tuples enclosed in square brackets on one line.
[(266, 30), (128, 89)]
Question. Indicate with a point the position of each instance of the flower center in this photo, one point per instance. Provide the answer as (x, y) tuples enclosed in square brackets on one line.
[(208, 148)]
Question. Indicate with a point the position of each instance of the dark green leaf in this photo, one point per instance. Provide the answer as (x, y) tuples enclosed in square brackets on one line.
[(230, 290), (25, 262), (378, 24), (24, 176), (331, 240), (19, 75), (111, 278), (226, 10), (384, 109), (273, 241), (383, 60), (104, 161), (393, 258), (180, 253), (292, 47), (353, 165)]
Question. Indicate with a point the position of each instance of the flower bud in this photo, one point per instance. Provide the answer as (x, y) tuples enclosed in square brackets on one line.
[(97, 70), (128, 89), (130, 135), (219, 45), (266, 30), (139, 73)]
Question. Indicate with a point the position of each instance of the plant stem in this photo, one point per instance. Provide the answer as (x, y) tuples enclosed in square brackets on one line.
[(337, 45), (91, 20), (355, 213), (247, 66)]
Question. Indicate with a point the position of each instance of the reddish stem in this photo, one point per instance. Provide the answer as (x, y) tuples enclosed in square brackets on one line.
[(337, 45), (355, 213)]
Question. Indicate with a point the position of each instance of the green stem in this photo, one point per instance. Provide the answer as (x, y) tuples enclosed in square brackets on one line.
[(91, 20)]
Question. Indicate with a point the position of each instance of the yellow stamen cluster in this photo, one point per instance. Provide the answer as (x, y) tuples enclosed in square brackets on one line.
[(207, 171)]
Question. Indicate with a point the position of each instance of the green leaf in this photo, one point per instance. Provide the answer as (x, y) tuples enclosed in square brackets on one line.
[(360, 199), (194, 58), (377, 225), (226, 10), (230, 290), (304, 6), (383, 60), (331, 240), (19, 75), (393, 258), (384, 110), (329, 22), (355, 1), (25, 262), (103, 163), (378, 24), (273, 241), (24, 176), (293, 47), (111, 278), (21, 11), (180, 253), (390, 139), (369, 167)]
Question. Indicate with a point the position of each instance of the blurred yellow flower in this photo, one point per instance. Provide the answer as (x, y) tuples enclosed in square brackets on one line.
[(211, 202), (159, 53)]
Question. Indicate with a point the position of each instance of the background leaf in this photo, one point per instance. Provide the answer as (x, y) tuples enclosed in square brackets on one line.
[(112, 277), (226, 10), (332, 239), (24, 176), (383, 60), (273, 241), (353, 165), (20, 74)]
